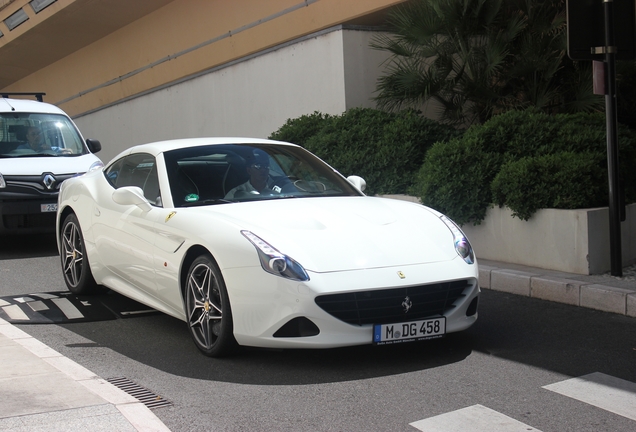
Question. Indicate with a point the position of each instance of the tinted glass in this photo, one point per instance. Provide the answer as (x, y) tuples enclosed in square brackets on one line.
[(138, 169), (247, 172)]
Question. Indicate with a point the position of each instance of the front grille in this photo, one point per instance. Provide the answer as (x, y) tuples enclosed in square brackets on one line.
[(19, 186), (385, 306)]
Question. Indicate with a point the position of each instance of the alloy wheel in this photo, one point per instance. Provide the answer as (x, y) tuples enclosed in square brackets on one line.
[(73, 254), (204, 306)]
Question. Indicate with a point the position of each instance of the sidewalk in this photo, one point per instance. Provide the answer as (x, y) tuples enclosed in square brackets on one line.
[(602, 292), (42, 390)]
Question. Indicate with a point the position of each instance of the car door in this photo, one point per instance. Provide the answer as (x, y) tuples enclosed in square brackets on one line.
[(125, 234)]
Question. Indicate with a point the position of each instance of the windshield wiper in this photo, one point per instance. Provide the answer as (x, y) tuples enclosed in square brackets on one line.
[(35, 155)]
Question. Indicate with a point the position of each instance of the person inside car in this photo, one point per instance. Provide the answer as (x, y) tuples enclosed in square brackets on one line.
[(258, 171), (34, 140)]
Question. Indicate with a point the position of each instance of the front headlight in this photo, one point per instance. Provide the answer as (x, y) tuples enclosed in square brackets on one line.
[(3, 184), (462, 245), (275, 262)]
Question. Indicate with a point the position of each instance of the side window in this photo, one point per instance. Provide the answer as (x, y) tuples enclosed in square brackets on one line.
[(136, 170), (112, 172)]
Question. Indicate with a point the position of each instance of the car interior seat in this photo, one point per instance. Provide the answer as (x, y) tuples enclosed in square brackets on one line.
[(18, 131), (235, 175)]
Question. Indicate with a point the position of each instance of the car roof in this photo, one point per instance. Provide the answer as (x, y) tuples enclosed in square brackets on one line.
[(158, 147), (31, 106)]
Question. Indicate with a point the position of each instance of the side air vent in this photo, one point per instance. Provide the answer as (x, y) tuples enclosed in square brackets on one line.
[(298, 327)]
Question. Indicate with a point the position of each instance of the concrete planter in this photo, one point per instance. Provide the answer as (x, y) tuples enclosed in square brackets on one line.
[(572, 241)]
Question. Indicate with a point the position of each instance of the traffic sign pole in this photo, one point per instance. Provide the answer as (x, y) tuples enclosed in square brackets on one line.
[(612, 141)]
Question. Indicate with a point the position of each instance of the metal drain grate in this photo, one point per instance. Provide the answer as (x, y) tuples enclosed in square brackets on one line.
[(140, 393)]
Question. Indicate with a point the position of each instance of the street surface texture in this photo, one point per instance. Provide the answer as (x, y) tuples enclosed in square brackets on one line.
[(527, 365)]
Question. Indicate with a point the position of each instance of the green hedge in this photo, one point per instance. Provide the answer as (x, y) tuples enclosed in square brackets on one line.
[(525, 160), (386, 149)]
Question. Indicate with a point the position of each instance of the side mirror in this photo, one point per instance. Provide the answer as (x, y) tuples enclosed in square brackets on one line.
[(358, 182), (93, 145), (131, 195)]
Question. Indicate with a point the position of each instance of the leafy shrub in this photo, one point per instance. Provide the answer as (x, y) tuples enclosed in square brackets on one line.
[(455, 179), (386, 149), (563, 180), (300, 129), (525, 160)]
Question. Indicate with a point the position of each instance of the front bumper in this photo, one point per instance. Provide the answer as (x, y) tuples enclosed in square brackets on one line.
[(263, 304), (25, 216), (26, 203)]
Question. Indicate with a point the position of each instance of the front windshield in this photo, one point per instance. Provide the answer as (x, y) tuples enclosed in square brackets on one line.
[(37, 135), (248, 172)]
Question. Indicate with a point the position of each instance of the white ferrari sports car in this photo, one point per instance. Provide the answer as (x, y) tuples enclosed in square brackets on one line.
[(260, 243)]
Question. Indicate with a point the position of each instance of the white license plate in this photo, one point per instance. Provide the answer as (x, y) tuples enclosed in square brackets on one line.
[(47, 208), (384, 334)]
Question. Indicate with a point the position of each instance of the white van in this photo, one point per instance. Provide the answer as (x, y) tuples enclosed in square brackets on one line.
[(40, 147)]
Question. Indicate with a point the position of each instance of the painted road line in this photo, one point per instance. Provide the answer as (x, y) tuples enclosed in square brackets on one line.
[(44, 296), (67, 308), (603, 391), (476, 418), (38, 306), (15, 313), (23, 299)]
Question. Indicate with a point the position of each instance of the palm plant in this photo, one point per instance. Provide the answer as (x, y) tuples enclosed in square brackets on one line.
[(478, 58)]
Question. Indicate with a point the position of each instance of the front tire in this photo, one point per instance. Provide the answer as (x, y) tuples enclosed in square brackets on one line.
[(77, 272), (208, 311)]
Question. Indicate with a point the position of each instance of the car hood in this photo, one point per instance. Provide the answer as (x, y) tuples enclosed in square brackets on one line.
[(346, 233), (52, 164)]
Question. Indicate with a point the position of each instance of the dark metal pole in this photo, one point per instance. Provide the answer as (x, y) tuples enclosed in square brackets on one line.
[(612, 142)]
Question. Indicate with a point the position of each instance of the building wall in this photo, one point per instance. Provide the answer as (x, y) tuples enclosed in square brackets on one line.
[(329, 71), (178, 40)]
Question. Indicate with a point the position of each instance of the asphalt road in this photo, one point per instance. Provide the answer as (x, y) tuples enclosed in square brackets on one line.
[(499, 367)]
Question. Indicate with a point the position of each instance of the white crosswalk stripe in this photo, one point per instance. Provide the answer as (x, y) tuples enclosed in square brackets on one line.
[(38, 306), (476, 418), (63, 306), (603, 391), (14, 312), (67, 308)]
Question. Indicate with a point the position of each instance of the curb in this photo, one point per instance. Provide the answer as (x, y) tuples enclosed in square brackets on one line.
[(561, 290), (135, 412)]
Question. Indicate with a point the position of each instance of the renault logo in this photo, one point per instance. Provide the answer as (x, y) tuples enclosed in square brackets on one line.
[(48, 181), (401, 275)]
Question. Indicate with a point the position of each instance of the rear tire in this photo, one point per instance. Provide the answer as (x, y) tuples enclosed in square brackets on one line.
[(77, 271), (208, 311)]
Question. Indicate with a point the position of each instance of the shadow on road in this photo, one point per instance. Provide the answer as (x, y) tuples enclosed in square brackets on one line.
[(164, 343), (565, 339), (552, 336)]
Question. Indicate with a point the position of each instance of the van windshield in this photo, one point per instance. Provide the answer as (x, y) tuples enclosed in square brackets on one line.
[(36, 134)]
